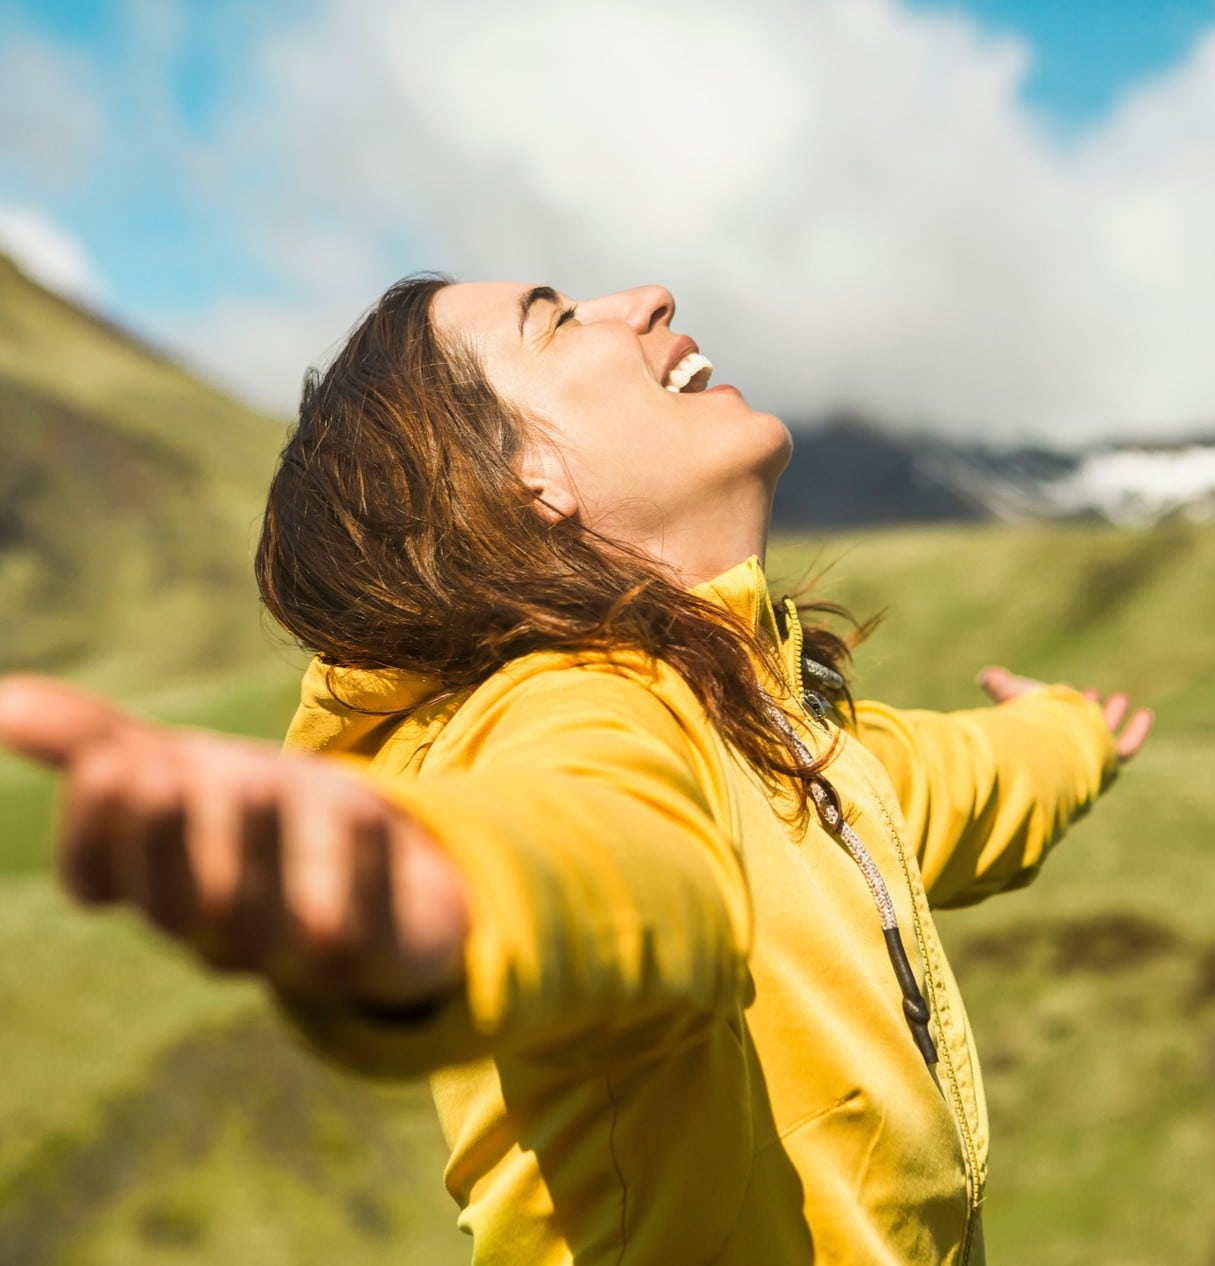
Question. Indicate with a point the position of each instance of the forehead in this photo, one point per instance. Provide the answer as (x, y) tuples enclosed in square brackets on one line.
[(484, 313)]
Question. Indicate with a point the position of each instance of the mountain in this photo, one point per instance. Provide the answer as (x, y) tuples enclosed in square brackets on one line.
[(129, 498), (847, 471)]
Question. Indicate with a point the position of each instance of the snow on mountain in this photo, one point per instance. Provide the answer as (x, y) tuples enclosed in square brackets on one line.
[(850, 472), (1136, 487)]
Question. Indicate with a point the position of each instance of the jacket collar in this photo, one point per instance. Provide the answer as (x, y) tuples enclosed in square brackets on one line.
[(744, 590)]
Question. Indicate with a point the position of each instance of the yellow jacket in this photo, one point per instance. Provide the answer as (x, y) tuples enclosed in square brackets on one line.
[(680, 1039)]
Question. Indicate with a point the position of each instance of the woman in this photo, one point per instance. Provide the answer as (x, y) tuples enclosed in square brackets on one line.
[(608, 851)]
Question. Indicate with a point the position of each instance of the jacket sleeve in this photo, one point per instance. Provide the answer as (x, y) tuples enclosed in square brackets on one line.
[(609, 912), (987, 792)]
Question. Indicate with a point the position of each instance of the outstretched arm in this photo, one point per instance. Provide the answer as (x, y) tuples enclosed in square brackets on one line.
[(286, 867), (986, 792), (565, 886)]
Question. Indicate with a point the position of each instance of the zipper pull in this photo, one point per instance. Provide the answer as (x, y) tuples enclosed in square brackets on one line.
[(817, 706), (828, 678)]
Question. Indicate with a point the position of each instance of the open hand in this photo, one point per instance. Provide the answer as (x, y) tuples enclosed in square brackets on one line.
[(1130, 729), (289, 867)]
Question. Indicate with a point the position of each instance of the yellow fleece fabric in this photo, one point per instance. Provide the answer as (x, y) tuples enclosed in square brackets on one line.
[(679, 1038)]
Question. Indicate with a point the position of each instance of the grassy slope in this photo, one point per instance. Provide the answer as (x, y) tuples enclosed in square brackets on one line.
[(150, 1114), (129, 496), (1093, 992), (127, 487)]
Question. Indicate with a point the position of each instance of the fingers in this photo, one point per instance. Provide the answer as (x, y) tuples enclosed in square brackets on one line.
[(92, 833), (370, 958), (241, 921), (51, 721), (291, 868), (260, 926), (159, 878), (1114, 709), (1129, 734), (1135, 733), (340, 879), (1003, 685), (319, 817), (124, 830), (371, 916), (992, 681)]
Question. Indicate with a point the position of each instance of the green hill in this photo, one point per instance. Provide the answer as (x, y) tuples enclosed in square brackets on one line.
[(129, 495), (1082, 602)]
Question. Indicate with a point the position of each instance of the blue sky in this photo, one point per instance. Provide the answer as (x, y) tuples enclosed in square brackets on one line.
[(1087, 53), (237, 179), (154, 241), (157, 246)]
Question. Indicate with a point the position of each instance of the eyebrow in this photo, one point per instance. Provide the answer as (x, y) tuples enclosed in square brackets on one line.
[(537, 294)]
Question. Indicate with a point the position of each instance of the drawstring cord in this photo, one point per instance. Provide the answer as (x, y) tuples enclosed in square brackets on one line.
[(827, 802)]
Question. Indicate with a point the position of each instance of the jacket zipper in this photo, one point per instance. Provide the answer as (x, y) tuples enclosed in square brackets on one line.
[(794, 624)]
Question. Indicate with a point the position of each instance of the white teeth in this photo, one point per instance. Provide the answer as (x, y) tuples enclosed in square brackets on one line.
[(691, 374)]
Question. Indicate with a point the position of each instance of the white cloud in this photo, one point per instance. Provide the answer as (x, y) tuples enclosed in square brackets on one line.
[(47, 253), (52, 117), (848, 198), (259, 349)]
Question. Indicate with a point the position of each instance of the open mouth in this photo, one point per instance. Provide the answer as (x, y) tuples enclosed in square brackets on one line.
[(690, 374)]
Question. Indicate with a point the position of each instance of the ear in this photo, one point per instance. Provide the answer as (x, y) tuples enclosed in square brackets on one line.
[(546, 478)]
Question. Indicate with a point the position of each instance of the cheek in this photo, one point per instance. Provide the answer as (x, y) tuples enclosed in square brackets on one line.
[(601, 417), (597, 401), (620, 464)]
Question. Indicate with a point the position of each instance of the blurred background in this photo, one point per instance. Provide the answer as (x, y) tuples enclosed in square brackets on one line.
[(967, 251)]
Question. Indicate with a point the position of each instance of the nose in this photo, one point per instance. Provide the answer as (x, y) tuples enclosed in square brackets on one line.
[(642, 307)]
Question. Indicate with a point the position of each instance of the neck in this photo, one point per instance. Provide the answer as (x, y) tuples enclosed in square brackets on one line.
[(711, 538)]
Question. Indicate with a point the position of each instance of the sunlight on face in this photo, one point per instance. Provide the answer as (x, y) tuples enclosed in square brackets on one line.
[(665, 470)]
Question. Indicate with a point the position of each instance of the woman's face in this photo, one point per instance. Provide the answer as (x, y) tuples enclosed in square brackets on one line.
[(628, 455)]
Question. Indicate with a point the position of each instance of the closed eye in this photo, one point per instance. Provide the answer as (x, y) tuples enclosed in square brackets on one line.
[(566, 314)]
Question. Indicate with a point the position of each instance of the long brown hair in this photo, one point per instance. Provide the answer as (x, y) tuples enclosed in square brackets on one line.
[(398, 534)]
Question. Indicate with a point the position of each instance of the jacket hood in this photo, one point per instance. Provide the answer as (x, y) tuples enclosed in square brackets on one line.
[(348, 709)]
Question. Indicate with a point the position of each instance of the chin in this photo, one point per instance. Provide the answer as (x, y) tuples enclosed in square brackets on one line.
[(778, 448)]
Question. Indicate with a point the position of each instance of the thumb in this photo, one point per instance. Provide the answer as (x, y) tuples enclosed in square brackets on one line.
[(1003, 685), (51, 721)]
